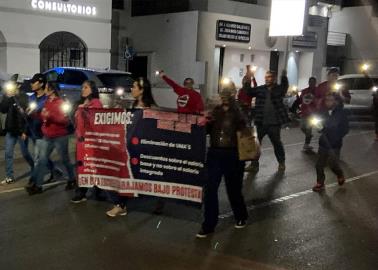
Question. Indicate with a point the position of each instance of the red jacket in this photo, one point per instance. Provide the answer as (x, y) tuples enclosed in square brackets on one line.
[(307, 101), (323, 89), (55, 121), (189, 100), (80, 121), (243, 98)]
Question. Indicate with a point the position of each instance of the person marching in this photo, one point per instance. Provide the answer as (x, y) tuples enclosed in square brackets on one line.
[(245, 100), (188, 100), (331, 86), (37, 101), (333, 125), (14, 105), (55, 124), (307, 108), (142, 93), (223, 160), (271, 113), (90, 98)]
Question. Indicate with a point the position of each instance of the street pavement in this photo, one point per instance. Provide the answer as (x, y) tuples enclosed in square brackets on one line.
[(290, 227)]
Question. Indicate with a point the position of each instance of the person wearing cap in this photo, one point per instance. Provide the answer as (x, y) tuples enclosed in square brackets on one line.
[(14, 104), (330, 86), (36, 103), (188, 100), (223, 160), (55, 123), (270, 114)]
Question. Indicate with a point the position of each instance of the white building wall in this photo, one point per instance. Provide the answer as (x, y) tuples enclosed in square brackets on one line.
[(305, 69), (207, 43), (24, 28), (234, 69), (363, 35)]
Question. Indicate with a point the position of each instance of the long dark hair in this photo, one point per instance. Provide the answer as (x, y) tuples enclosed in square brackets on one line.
[(147, 98), (94, 92), (54, 86)]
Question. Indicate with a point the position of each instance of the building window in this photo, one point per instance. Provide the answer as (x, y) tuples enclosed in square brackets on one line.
[(118, 4), (62, 49)]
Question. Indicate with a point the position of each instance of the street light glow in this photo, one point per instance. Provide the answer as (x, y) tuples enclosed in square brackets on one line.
[(375, 88), (337, 87)]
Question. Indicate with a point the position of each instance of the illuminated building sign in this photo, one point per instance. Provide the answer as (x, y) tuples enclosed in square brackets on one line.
[(64, 8)]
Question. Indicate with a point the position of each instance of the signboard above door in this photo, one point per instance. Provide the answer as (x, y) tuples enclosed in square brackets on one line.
[(233, 31)]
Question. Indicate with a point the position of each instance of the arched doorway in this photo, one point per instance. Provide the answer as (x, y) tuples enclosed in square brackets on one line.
[(62, 49)]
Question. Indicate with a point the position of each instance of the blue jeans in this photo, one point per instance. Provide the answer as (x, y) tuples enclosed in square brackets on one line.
[(10, 142), (47, 145), (37, 156)]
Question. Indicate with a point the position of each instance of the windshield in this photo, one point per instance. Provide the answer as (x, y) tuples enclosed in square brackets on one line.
[(112, 80)]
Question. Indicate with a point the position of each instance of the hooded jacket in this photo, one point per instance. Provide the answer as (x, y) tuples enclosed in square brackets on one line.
[(14, 108)]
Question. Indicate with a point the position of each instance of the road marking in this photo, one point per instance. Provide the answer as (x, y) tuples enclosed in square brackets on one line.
[(315, 139), (295, 195), (57, 183)]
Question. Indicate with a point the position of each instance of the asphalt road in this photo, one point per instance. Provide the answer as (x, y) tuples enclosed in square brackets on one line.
[(290, 227)]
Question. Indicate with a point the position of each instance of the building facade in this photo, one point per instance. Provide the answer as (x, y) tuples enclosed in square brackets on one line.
[(39, 34)]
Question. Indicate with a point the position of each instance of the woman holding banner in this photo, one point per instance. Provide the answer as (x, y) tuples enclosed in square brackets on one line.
[(142, 93), (90, 98), (223, 160)]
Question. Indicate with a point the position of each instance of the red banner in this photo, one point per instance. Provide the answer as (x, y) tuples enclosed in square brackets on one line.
[(105, 159)]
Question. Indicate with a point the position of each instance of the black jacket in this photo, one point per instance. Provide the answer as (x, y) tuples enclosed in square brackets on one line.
[(335, 127), (224, 125), (15, 107), (278, 92)]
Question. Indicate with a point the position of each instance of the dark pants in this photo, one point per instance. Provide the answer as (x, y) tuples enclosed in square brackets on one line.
[(330, 156), (223, 162), (117, 199), (376, 121), (274, 134), (306, 129)]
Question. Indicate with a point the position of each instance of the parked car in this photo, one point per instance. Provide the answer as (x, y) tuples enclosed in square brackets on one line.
[(361, 89), (114, 85)]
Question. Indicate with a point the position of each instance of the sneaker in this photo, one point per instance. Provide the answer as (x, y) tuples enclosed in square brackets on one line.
[(33, 190), (70, 185), (117, 211), (7, 180), (240, 224), (204, 233), (318, 187), (282, 166), (307, 147), (341, 180), (78, 199)]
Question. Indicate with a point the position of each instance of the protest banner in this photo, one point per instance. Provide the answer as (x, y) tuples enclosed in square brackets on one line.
[(147, 152)]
